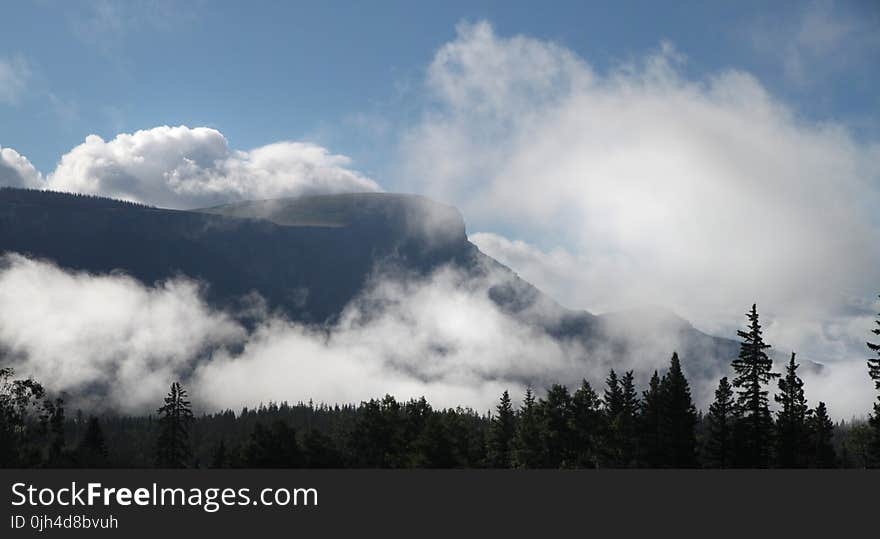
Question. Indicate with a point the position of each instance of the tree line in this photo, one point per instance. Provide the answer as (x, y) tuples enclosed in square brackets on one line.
[(616, 427)]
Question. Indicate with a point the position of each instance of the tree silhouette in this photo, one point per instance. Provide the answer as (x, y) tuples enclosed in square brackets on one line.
[(754, 370), (822, 431), (792, 430), (220, 456), (22, 420), (679, 418), (621, 407), (874, 419), (172, 445), (556, 414), (501, 433), (651, 445), (92, 450), (587, 425), (721, 421), (528, 451), (273, 447)]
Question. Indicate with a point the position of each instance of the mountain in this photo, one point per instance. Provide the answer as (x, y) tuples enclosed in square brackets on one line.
[(310, 256)]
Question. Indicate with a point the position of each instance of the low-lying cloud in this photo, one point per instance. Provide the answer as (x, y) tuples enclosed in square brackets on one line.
[(110, 342), (183, 168)]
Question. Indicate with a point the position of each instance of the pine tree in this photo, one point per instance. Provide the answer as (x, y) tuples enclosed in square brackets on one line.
[(54, 419), (754, 370), (615, 420), (92, 449), (822, 432), (273, 447), (555, 412), (721, 420), (679, 418), (172, 446), (528, 451), (650, 425), (874, 419), (792, 432), (321, 451), (501, 434), (220, 457), (587, 426), (627, 425)]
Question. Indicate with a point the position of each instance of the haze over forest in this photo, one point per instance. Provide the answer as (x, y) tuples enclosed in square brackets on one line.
[(588, 204)]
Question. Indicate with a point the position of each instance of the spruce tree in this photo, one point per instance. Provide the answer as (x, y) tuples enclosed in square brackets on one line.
[(721, 420), (650, 425), (220, 457), (874, 419), (501, 433), (679, 418), (792, 432), (92, 451), (754, 370), (615, 420), (172, 446), (528, 452), (587, 426), (555, 412), (822, 432), (627, 424)]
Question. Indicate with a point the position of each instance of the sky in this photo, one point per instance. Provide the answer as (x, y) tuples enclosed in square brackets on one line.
[(699, 157)]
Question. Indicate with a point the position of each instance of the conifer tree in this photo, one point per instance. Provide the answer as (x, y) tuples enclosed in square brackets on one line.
[(754, 370), (273, 447), (501, 433), (92, 449), (220, 457), (874, 419), (627, 421), (721, 420), (679, 418), (172, 446), (792, 430), (650, 425), (614, 410), (822, 432), (54, 419), (587, 426), (528, 451), (555, 413)]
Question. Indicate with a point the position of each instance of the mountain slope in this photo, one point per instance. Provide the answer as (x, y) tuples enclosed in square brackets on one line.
[(309, 257)]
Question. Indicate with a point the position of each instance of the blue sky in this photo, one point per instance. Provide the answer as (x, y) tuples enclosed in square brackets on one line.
[(699, 156), (267, 71)]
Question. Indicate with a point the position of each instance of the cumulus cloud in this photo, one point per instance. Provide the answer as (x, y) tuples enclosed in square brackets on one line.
[(17, 171), (184, 168), (642, 185), (14, 75)]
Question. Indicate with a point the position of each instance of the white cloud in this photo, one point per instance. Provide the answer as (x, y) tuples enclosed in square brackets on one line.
[(14, 75), (110, 335), (92, 335), (182, 168), (17, 171), (648, 187)]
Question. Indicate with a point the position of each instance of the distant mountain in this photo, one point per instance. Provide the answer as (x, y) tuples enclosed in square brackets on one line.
[(309, 257)]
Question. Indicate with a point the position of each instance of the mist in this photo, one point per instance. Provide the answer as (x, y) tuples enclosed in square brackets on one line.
[(110, 343)]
